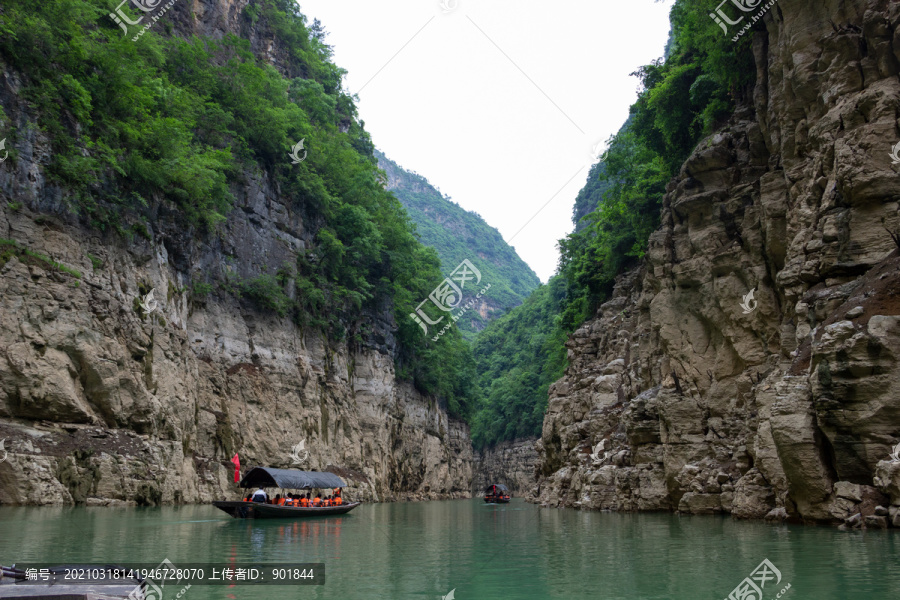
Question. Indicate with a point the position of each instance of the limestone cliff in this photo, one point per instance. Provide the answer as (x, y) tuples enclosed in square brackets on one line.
[(677, 398), (510, 463), (101, 403)]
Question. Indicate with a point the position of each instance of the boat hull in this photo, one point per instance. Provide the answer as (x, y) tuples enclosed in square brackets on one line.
[(257, 510), (491, 500)]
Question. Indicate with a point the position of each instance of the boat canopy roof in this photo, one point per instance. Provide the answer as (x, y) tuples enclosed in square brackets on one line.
[(290, 479), (495, 488)]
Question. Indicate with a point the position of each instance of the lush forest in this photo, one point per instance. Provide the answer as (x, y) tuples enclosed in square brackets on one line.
[(458, 234), (171, 126), (683, 97), (518, 356)]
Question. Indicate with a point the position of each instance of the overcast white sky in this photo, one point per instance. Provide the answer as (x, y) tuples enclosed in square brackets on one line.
[(498, 103)]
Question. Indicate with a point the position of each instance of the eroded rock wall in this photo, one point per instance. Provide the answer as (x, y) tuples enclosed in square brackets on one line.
[(102, 404), (99, 402), (676, 397), (510, 463)]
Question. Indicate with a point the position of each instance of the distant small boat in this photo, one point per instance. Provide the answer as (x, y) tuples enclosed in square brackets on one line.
[(496, 494), (288, 479)]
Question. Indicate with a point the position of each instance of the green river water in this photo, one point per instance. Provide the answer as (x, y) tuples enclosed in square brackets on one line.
[(481, 552)]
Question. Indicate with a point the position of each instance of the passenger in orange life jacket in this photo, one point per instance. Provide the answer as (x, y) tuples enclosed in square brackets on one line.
[(317, 501), (304, 501), (337, 500)]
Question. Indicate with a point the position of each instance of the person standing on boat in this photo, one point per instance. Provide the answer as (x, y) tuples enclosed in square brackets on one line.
[(260, 495)]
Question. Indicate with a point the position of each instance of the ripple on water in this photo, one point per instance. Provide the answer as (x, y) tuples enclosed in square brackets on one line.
[(515, 551)]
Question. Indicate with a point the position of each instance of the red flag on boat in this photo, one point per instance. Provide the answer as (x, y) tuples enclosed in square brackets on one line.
[(237, 467)]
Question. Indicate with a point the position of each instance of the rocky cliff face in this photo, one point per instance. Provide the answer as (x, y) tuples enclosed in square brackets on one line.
[(102, 403), (99, 402), (676, 397), (510, 463)]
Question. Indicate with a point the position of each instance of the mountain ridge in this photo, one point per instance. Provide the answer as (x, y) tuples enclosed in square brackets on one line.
[(458, 234)]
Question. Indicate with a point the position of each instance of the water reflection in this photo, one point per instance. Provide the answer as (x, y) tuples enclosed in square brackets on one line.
[(514, 551)]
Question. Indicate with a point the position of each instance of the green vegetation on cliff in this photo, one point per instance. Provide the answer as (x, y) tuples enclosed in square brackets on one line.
[(683, 98), (518, 356), (169, 126), (458, 234)]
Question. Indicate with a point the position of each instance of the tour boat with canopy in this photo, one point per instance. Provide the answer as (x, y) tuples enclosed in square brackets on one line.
[(286, 479), (496, 494)]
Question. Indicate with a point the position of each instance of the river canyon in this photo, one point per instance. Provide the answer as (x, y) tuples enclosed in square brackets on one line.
[(746, 366)]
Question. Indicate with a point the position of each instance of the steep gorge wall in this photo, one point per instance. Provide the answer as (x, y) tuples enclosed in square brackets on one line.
[(510, 463), (103, 405), (98, 401), (675, 399)]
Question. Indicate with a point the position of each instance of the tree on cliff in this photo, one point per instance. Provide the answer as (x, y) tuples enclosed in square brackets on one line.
[(159, 122)]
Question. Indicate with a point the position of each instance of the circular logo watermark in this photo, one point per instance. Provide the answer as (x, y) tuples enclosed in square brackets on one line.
[(147, 5), (747, 5), (148, 303), (299, 453)]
